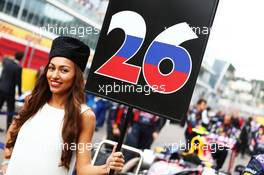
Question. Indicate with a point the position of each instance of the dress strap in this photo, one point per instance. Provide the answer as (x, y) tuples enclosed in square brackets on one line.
[(84, 108)]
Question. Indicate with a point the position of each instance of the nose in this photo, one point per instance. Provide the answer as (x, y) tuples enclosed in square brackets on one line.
[(55, 74)]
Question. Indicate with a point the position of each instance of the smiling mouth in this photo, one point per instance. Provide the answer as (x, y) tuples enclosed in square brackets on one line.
[(55, 83)]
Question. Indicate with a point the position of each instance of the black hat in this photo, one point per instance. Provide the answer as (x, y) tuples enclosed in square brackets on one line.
[(70, 48)]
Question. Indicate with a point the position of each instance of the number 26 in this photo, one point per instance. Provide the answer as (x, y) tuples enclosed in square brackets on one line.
[(164, 46)]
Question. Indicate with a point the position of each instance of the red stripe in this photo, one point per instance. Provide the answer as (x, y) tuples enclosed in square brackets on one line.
[(116, 68), (171, 82)]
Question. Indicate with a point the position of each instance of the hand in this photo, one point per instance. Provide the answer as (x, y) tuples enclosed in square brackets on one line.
[(116, 131), (3, 169), (155, 135), (115, 161)]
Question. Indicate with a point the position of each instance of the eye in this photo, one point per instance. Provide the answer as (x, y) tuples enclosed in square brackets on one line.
[(63, 70), (51, 68)]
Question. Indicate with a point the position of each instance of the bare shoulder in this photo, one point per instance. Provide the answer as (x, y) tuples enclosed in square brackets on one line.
[(88, 114), (88, 119), (88, 123)]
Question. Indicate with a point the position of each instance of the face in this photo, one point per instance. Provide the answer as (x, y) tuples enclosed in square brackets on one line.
[(202, 106), (60, 75), (227, 119)]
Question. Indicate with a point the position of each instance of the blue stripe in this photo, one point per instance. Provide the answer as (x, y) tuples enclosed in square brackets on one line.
[(8, 113), (160, 50), (130, 46), (2, 146)]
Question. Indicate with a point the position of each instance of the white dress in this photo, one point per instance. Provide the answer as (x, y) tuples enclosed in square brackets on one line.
[(39, 145)]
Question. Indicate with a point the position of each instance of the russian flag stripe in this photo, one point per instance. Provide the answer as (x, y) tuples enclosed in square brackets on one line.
[(171, 82), (130, 47), (160, 50)]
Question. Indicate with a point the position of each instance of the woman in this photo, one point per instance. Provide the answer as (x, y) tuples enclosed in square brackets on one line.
[(54, 123)]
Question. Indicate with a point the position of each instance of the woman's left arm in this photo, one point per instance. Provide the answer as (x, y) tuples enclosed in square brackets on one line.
[(83, 164)]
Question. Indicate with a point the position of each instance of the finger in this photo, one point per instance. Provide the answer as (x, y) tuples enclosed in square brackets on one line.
[(116, 159), (120, 160), (116, 164), (114, 149), (118, 154), (117, 169)]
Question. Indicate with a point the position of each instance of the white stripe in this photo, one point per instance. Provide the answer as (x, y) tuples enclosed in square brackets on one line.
[(177, 34), (131, 22)]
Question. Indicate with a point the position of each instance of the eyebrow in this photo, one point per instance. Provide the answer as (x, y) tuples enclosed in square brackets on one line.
[(59, 66)]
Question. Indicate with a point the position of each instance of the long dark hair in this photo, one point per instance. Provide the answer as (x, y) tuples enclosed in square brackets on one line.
[(41, 94)]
